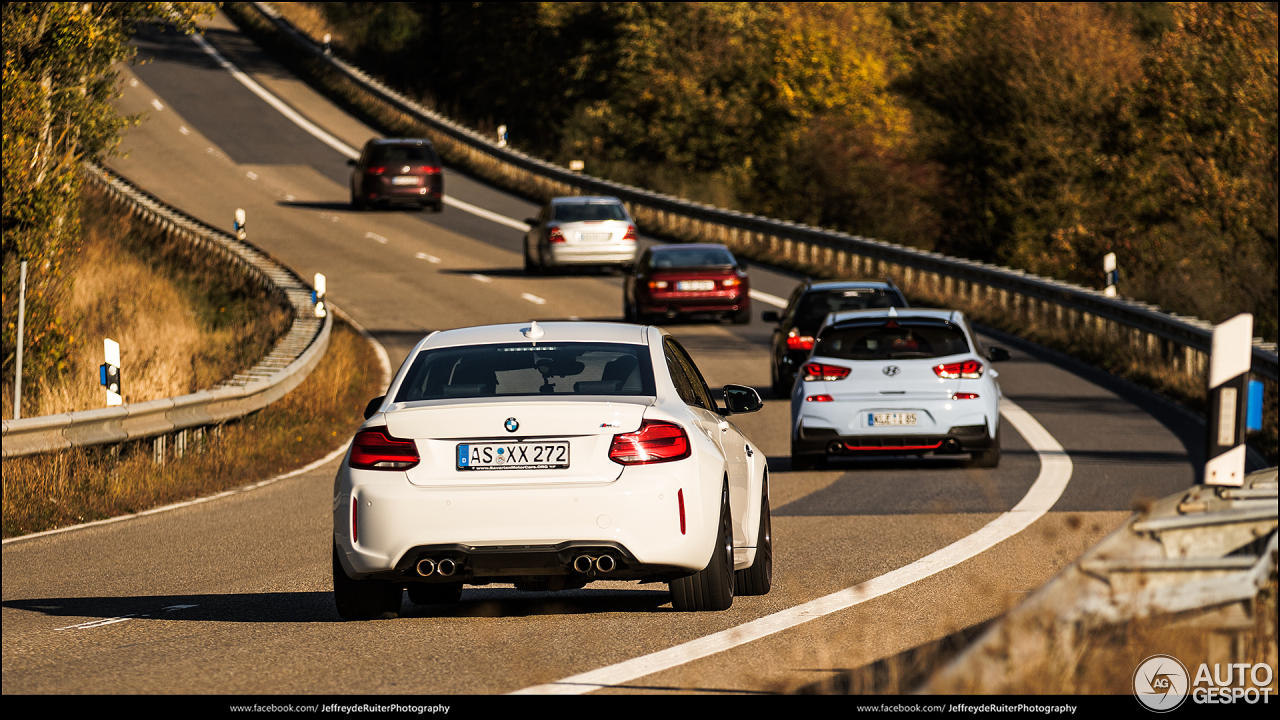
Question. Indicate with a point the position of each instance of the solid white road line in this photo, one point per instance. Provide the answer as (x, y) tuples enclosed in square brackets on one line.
[(1055, 473)]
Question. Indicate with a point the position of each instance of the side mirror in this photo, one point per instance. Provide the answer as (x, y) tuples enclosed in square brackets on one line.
[(530, 222), (997, 354), (771, 316), (742, 264), (351, 162), (741, 399), (372, 408)]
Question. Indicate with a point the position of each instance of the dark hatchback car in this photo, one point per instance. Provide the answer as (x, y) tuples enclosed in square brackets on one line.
[(808, 306), (397, 171), (669, 281)]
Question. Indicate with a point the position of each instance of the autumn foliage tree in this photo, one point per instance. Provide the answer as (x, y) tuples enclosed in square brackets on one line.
[(58, 86)]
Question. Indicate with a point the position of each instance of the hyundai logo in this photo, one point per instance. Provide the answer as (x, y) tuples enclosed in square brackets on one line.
[(511, 425), (891, 370)]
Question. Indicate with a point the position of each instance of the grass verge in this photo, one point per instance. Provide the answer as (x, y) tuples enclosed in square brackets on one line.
[(44, 492), (186, 319)]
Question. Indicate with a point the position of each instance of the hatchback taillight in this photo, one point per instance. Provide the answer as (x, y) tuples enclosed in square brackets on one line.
[(631, 234), (971, 369), (430, 169), (375, 449), (556, 236), (374, 170), (655, 442), (820, 371)]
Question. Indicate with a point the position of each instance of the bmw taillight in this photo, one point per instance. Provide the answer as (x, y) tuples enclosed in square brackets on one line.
[(796, 341), (971, 369), (820, 371), (631, 234), (655, 442), (376, 449), (556, 236)]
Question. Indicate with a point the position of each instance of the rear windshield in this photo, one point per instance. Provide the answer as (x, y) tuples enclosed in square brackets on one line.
[(584, 212), (526, 369), (891, 339), (815, 306), (694, 257), (403, 154)]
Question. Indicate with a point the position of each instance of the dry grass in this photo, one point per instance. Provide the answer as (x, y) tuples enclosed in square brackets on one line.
[(49, 491), (184, 321)]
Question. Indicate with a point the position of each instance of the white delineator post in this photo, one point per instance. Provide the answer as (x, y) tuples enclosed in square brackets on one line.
[(241, 233), (110, 372), (1113, 275), (1229, 363), (317, 296), (502, 136)]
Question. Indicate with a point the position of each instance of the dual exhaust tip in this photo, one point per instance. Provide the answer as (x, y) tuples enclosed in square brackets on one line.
[(444, 568), (585, 563)]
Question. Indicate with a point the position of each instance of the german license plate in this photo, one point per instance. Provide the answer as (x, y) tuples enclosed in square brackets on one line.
[(693, 285), (513, 456), (892, 418), (404, 180), (596, 237)]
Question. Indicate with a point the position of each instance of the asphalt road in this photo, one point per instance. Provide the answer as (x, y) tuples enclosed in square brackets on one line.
[(233, 595)]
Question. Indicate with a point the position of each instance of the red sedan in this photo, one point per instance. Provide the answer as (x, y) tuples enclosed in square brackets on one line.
[(677, 280)]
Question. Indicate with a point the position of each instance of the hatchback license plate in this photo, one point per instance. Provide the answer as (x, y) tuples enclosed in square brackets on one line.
[(404, 180), (688, 285), (903, 418), (513, 456)]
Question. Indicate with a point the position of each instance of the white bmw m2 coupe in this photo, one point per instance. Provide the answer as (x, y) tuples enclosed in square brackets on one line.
[(549, 456)]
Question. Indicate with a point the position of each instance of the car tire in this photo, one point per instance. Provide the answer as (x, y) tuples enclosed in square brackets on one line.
[(988, 458), (529, 267), (434, 593), (743, 316), (711, 588), (358, 204), (364, 599), (544, 264), (628, 312), (758, 579), (801, 462)]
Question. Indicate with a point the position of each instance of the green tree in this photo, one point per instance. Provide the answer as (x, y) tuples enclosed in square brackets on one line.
[(58, 85)]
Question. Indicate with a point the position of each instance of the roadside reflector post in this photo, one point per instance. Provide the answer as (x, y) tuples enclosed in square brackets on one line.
[(1113, 275), (502, 136), (577, 166), (327, 38), (317, 296), (22, 314), (109, 373), (1229, 362), (239, 224)]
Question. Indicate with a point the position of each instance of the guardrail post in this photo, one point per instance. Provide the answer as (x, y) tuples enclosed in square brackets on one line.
[(157, 450), (180, 443)]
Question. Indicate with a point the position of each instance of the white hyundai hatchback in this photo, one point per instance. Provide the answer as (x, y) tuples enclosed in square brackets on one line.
[(897, 382), (550, 456)]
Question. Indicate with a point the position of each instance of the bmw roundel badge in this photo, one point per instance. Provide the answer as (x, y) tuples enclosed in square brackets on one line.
[(511, 425)]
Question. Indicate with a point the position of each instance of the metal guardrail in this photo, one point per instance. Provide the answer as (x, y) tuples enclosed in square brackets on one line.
[(1174, 341), (1201, 555), (295, 355)]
